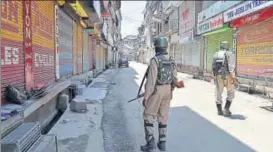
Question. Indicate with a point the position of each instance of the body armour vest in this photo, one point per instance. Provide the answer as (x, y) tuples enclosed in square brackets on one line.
[(220, 63), (165, 70)]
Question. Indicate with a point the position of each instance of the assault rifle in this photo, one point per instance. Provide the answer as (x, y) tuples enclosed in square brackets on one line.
[(140, 87)]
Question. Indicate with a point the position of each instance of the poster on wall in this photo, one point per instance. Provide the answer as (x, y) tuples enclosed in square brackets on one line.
[(187, 16)]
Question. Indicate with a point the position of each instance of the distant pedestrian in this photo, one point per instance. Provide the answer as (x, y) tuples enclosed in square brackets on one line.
[(223, 66), (161, 80)]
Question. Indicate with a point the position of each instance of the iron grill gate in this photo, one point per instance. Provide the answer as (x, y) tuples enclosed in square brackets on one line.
[(85, 52), (12, 53), (65, 44), (43, 42)]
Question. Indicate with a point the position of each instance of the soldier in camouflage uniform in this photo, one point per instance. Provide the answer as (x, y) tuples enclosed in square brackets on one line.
[(160, 82), (223, 66)]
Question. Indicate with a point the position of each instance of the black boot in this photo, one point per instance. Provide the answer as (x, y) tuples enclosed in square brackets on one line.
[(150, 140), (226, 110), (162, 130), (150, 145), (161, 145), (219, 109)]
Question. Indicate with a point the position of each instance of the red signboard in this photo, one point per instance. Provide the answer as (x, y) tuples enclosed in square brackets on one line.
[(28, 45), (253, 18)]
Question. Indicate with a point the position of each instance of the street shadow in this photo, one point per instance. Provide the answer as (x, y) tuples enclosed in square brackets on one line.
[(190, 132), (237, 117)]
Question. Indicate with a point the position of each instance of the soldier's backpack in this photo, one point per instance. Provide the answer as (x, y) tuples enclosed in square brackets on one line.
[(165, 70), (220, 63)]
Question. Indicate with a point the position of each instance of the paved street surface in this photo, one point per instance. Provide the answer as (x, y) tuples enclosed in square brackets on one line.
[(193, 123), (117, 126)]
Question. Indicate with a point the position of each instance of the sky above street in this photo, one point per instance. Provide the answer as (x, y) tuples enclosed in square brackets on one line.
[(132, 16)]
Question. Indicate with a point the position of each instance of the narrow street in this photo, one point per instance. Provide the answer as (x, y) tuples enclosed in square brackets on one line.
[(193, 124)]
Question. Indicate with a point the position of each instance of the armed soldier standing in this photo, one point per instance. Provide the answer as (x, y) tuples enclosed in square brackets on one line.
[(223, 66), (161, 80)]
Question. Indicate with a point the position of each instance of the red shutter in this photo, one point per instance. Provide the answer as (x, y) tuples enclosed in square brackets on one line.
[(12, 52), (43, 42)]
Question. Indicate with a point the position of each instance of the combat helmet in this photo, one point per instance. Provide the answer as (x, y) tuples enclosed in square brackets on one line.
[(160, 44), (224, 45)]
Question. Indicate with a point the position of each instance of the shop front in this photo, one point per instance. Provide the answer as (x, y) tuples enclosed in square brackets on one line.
[(65, 44), (214, 32), (188, 52), (254, 43), (12, 49), (43, 45)]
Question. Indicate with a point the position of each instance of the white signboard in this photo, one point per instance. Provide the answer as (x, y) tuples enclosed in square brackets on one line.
[(216, 8), (211, 24), (245, 8)]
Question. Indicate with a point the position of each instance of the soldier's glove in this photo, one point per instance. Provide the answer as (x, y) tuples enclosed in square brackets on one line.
[(232, 79), (180, 84)]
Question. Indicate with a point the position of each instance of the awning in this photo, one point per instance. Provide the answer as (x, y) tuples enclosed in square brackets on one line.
[(222, 29), (79, 9)]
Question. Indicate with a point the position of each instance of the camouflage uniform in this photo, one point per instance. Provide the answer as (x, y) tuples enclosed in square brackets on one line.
[(157, 99), (224, 75)]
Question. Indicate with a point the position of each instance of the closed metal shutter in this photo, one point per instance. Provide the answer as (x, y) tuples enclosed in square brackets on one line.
[(12, 52), (191, 56), (65, 44), (75, 47), (43, 42), (213, 45), (79, 49), (255, 49), (91, 50), (85, 52)]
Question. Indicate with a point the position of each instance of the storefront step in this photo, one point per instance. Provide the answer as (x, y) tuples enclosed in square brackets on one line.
[(59, 87)]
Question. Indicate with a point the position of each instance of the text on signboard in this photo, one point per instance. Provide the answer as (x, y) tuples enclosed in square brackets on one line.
[(11, 56), (244, 8), (214, 23), (43, 60)]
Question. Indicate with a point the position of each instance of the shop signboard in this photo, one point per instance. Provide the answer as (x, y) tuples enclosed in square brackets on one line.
[(253, 18), (245, 8), (215, 9), (211, 24)]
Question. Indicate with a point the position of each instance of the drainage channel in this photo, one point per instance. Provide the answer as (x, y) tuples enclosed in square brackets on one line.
[(56, 118), (51, 124)]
